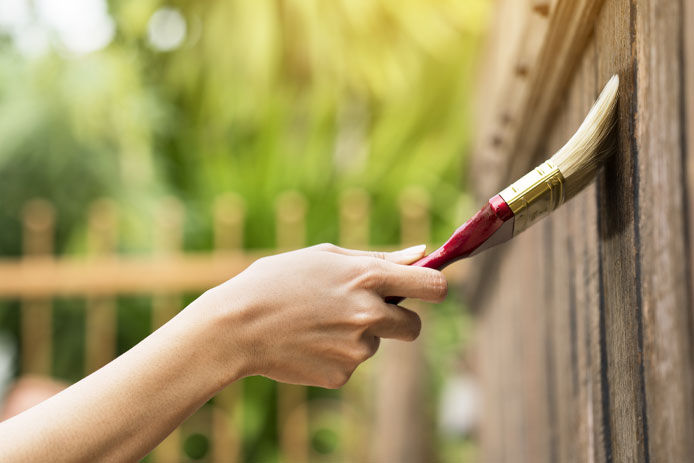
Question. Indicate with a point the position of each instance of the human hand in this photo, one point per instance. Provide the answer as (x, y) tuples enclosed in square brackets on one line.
[(309, 317), (312, 316)]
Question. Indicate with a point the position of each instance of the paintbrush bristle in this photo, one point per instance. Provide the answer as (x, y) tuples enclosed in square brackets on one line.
[(580, 157)]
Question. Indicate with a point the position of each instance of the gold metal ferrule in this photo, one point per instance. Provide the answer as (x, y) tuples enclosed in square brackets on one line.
[(534, 195)]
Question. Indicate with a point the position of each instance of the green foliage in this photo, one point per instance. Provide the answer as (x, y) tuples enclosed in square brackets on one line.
[(261, 97), (196, 446)]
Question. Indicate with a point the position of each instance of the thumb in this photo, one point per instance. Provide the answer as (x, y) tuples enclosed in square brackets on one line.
[(406, 256), (403, 256)]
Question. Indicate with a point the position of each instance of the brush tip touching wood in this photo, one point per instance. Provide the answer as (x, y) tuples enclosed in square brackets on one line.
[(537, 193), (580, 157), (558, 179)]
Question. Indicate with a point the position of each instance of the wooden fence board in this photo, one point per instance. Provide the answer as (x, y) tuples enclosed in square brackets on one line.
[(535, 343), (619, 238), (47, 277), (100, 313), (101, 275), (577, 294), (618, 303), (37, 311), (563, 310), (666, 333), (687, 105)]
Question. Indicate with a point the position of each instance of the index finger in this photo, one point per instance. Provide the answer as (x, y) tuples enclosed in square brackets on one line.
[(390, 279)]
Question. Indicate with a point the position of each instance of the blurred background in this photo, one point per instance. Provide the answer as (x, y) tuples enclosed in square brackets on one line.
[(251, 126)]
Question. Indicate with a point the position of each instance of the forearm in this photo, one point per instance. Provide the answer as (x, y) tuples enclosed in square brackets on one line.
[(305, 317), (125, 409)]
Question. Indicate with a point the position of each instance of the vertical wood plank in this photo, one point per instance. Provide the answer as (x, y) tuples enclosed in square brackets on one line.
[(100, 323), (621, 243), (168, 241), (38, 217), (484, 362), (583, 297), (687, 30), (547, 253), (621, 310), (577, 302), (402, 419), (661, 230), (588, 286), (227, 414), (537, 391), (354, 218), (291, 399), (515, 348), (563, 306)]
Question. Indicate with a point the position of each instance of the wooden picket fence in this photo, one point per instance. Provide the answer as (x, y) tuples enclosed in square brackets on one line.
[(100, 276)]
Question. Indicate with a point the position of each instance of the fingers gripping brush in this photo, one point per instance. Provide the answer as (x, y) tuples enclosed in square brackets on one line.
[(537, 193)]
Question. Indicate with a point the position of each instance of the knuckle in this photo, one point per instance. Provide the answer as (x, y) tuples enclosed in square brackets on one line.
[(365, 315), (375, 344), (414, 328), (261, 262), (370, 273), (211, 293), (354, 355), (337, 379), (360, 318), (325, 247), (370, 349), (361, 352), (439, 285)]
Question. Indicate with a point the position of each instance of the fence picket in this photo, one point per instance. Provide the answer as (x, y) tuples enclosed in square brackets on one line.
[(37, 329), (170, 271), (100, 315)]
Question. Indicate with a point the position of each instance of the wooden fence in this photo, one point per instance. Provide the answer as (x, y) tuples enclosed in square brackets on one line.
[(102, 274), (585, 321)]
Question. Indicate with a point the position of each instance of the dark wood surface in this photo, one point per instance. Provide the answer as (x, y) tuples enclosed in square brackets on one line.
[(585, 335)]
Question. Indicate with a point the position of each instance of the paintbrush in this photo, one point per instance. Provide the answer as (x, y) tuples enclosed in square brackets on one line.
[(537, 193)]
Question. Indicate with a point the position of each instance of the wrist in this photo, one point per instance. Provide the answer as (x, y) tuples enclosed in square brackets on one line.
[(218, 326)]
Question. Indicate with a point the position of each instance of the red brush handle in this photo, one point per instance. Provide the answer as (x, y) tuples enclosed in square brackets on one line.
[(466, 239)]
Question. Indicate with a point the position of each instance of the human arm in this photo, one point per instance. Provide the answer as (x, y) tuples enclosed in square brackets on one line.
[(308, 317)]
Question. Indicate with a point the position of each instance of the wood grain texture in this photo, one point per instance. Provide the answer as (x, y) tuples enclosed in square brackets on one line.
[(664, 297), (536, 389), (615, 314), (687, 104), (687, 107)]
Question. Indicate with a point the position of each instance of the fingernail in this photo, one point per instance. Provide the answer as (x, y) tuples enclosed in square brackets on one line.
[(414, 250)]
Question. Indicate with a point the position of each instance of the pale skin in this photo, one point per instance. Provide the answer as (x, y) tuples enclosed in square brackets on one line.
[(305, 317)]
